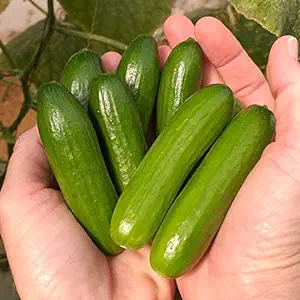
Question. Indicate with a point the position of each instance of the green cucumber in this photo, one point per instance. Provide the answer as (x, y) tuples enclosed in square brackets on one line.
[(198, 212), (78, 73), (149, 194), (238, 107), (139, 69), (74, 154), (118, 126), (180, 78)]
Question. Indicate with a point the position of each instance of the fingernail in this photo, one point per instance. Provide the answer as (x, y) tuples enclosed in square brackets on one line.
[(293, 48)]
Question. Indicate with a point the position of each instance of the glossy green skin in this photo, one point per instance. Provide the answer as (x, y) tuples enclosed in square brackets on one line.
[(237, 108), (198, 212), (139, 69), (149, 194), (118, 126), (78, 73), (180, 78), (75, 157)]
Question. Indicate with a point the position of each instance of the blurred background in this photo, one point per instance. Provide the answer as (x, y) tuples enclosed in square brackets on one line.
[(37, 37)]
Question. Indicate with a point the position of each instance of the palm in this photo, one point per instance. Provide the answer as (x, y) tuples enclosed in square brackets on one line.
[(255, 254)]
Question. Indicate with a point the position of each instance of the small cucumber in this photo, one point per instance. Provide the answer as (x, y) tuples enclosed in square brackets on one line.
[(78, 73), (238, 107), (75, 157), (196, 215), (149, 194), (139, 69), (118, 126), (180, 78)]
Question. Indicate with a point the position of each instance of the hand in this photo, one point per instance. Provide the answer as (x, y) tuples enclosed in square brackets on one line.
[(256, 252)]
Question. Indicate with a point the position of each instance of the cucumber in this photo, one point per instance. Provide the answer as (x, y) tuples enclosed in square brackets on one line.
[(196, 215), (78, 73), (238, 107), (139, 69), (180, 78), (118, 126), (74, 154), (149, 194)]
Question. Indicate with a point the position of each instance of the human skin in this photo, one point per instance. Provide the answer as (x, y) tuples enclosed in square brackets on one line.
[(256, 254)]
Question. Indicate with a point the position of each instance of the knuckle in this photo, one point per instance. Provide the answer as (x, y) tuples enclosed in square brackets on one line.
[(248, 89), (229, 58)]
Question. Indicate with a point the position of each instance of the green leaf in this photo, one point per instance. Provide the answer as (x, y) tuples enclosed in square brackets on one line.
[(256, 40), (118, 19), (3, 5), (277, 16), (23, 48)]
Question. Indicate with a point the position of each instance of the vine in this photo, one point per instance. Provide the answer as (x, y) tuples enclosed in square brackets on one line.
[(90, 37)]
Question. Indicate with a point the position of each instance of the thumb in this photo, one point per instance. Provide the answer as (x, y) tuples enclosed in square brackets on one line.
[(283, 67), (28, 167), (283, 74)]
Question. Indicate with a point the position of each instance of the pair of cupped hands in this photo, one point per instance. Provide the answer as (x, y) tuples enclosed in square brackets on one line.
[(256, 254)]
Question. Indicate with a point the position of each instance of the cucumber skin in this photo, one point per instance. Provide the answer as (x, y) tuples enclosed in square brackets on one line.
[(119, 129), (237, 108), (149, 194), (198, 212), (139, 69), (180, 78), (80, 70), (76, 160)]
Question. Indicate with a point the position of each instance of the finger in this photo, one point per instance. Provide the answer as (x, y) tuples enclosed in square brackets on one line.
[(110, 61), (177, 29), (282, 76), (164, 52), (285, 85), (233, 63), (284, 79), (133, 270), (28, 166), (211, 75)]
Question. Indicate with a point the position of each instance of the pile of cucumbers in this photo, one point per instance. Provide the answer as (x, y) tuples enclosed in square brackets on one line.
[(173, 192)]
